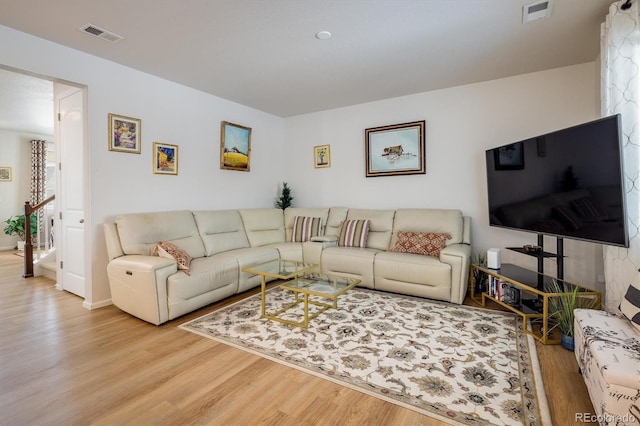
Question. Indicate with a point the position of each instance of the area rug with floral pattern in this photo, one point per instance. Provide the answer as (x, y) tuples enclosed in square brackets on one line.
[(459, 364)]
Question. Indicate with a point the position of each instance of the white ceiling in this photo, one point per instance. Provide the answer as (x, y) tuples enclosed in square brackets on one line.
[(264, 54)]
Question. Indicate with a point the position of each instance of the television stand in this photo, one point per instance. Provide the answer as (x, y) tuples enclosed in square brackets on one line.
[(532, 301), (541, 255)]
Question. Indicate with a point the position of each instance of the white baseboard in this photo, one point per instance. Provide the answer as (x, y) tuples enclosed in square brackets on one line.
[(96, 305)]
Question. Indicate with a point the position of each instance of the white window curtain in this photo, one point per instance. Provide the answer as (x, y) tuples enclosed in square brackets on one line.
[(620, 90)]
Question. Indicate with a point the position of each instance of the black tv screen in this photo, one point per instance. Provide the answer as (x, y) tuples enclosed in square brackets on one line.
[(567, 183)]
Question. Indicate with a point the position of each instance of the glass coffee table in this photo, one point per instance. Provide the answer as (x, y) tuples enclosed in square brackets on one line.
[(280, 269), (303, 283)]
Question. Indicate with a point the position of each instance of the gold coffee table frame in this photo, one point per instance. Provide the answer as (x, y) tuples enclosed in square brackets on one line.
[(280, 269), (302, 282), (323, 286)]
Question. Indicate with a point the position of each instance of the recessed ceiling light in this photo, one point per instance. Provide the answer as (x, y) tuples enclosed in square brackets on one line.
[(323, 35)]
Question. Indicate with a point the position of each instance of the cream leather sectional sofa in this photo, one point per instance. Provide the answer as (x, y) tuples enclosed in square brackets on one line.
[(222, 242)]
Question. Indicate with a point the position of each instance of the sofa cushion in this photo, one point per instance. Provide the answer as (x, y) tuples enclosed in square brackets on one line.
[(422, 276), (448, 221), (140, 232), (424, 243), (221, 230), (263, 226), (290, 214), (304, 228), (207, 275), (172, 251), (380, 227), (630, 305), (354, 233), (350, 262)]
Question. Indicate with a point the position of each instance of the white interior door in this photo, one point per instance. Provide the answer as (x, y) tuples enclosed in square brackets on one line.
[(72, 259)]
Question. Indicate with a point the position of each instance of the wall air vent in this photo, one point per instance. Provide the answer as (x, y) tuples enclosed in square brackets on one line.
[(101, 33), (538, 10)]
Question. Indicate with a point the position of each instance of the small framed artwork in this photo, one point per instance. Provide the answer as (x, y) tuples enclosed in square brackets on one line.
[(124, 134), (395, 150), (509, 157), (165, 158), (235, 147), (5, 174), (322, 156)]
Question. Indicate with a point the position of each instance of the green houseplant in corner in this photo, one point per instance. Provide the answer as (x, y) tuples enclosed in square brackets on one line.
[(16, 225), (562, 307), (285, 199)]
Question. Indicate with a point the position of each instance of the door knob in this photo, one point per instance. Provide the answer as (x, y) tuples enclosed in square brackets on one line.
[(81, 220)]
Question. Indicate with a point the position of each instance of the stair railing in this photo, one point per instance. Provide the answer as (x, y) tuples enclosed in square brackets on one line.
[(29, 210)]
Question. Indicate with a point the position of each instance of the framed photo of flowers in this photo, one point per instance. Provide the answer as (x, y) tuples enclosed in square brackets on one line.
[(124, 134), (235, 147), (165, 158), (322, 156), (397, 149)]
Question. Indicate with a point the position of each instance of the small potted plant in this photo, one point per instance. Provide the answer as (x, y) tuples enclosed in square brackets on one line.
[(16, 225), (285, 200), (561, 308)]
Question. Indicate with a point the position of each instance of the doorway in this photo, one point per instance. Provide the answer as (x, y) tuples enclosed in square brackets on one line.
[(42, 99)]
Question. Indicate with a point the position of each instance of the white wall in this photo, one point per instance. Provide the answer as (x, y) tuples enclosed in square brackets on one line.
[(170, 113), (461, 123), (15, 152)]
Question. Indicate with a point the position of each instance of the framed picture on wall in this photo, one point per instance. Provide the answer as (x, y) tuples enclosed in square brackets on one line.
[(235, 147), (5, 174), (124, 134), (165, 158), (510, 157), (395, 150), (322, 156)]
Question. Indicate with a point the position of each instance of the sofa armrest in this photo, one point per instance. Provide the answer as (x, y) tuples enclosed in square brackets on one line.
[(459, 257), (312, 250), (139, 285)]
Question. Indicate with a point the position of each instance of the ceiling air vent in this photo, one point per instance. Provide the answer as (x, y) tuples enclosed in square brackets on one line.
[(538, 10), (101, 33)]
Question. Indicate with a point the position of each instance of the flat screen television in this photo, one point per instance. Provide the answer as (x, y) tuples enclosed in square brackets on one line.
[(567, 183)]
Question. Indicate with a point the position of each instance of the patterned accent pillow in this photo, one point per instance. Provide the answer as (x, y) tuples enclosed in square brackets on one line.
[(353, 233), (425, 243), (172, 251), (630, 305), (304, 228)]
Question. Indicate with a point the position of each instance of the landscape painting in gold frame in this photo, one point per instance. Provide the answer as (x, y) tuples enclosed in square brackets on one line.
[(235, 147), (322, 156), (395, 150), (165, 158), (124, 134)]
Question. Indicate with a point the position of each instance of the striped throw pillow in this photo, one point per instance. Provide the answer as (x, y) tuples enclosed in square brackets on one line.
[(353, 233), (630, 305), (304, 228)]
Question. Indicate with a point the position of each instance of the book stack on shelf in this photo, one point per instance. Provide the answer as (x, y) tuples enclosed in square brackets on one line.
[(503, 291)]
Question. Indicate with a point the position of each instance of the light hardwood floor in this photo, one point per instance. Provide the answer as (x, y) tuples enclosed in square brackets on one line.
[(63, 364)]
